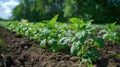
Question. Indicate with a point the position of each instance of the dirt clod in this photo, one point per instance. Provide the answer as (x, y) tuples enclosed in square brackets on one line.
[(73, 59)]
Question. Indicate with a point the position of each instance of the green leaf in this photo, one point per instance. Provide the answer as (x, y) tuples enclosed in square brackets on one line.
[(99, 42), (64, 41), (82, 36), (52, 42), (75, 48), (55, 48), (43, 43), (88, 25), (112, 26), (76, 20), (53, 20)]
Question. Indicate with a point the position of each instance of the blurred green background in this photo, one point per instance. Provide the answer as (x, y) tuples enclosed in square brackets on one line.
[(101, 11)]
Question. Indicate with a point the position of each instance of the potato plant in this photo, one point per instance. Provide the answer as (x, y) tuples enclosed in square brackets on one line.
[(80, 37)]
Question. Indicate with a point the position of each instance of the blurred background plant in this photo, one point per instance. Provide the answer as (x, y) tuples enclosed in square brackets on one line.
[(102, 11)]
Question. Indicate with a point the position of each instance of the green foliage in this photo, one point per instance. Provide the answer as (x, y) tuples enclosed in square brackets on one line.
[(102, 11), (79, 24), (99, 42), (80, 37), (53, 21), (110, 32), (38, 10)]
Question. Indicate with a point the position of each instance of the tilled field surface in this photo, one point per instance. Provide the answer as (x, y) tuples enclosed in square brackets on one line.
[(23, 52)]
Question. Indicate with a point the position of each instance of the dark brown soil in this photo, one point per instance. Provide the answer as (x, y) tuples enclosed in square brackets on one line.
[(27, 53)]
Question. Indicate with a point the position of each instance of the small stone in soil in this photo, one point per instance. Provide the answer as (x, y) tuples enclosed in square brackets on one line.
[(25, 47), (51, 57), (73, 59), (66, 57)]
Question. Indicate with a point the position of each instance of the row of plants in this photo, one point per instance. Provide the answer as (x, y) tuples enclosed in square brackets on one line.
[(80, 37)]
